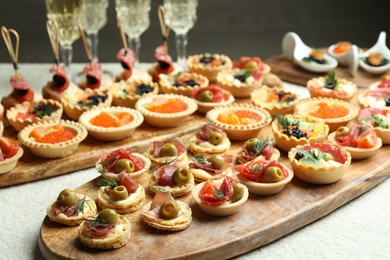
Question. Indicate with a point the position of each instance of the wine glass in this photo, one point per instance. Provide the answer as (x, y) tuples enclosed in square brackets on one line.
[(93, 18), (67, 15), (180, 16), (135, 18)]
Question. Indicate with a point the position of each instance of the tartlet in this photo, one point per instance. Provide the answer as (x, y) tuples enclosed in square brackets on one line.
[(332, 111), (71, 208), (377, 98), (314, 169), (331, 87), (174, 178), (254, 64), (264, 178), (239, 121), (127, 93), (107, 164), (255, 148), (211, 97), (383, 84), (53, 139), (77, 103), (124, 196), (162, 152), (274, 100), (292, 130), (209, 65), (166, 110), (182, 83), (111, 123), (50, 92), (234, 196), (360, 140), (10, 153), (113, 230), (379, 119), (241, 83), (27, 113), (214, 167), (174, 220), (210, 139)]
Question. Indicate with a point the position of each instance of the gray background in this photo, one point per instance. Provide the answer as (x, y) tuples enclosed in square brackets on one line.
[(232, 27)]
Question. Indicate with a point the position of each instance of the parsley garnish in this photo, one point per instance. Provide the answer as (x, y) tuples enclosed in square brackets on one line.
[(331, 80), (287, 100), (107, 182), (285, 122), (311, 157), (377, 121)]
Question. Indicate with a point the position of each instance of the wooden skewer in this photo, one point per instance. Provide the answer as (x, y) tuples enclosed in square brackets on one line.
[(89, 57), (120, 26), (164, 28), (52, 30), (13, 51)]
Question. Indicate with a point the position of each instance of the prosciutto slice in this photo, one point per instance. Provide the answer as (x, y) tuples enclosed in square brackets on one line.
[(130, 184), (66, 210), (204, 134), (247, 156), (60, 79), (254, 170), (208, 166), (379, 93), (93, 72), (164, 174), (165, 63), (158, 200), (97, 229), (157, 145), (127, 57)]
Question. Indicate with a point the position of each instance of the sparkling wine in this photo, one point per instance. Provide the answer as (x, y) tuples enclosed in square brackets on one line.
[(94, 15), (67, 14), (134, 16), (180, 15)]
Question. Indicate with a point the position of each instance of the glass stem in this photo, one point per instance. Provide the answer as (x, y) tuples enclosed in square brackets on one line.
[(66, 52), (93, 41), (135, 44), (181, 49)]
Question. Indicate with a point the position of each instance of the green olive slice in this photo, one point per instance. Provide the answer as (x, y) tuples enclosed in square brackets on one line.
[(119, 193), (206, 96), (217, 161), (109, 216), (342, 131), (67, 197), (273, 174), (215, 138), (182, 175), (251, 144), (170, 209), (124, 165), (238, 192), (168, 150)]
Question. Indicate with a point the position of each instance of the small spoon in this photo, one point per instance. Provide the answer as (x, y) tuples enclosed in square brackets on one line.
[(294, 48), (380, 46), (349, 58)]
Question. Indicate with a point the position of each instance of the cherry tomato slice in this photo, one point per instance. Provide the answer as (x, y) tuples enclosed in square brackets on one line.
[(367, 139)]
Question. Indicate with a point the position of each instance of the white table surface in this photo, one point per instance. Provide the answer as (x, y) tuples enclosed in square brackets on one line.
[(358, 230)]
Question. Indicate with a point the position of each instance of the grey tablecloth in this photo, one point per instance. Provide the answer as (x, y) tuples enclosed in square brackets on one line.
[(358, 230)]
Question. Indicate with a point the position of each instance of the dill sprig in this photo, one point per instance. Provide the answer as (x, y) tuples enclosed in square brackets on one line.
[(260, 145), (377, 121), (219, 194), (285, 122), (107, 182), (80, 205)]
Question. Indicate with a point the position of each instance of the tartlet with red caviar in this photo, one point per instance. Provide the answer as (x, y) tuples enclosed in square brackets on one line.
[(166, 110), (239, 121), (111, 123), (333, 112), (53, 139)]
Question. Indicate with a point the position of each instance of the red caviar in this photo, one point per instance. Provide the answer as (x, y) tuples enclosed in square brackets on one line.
[(325, 111)]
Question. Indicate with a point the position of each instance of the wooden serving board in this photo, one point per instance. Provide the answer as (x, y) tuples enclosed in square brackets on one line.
[(260, 221), (288, 71), (31, 168)]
